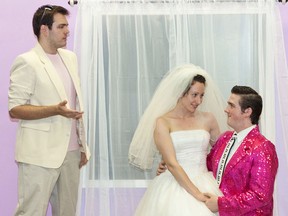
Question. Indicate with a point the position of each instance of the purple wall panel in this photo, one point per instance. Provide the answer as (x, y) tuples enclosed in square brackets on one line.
[(16, 37)]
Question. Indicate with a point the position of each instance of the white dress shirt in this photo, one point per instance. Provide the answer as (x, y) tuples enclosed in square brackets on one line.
[(240, 137)]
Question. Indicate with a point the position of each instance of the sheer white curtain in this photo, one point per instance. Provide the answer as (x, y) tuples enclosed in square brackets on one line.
[(124, 49)]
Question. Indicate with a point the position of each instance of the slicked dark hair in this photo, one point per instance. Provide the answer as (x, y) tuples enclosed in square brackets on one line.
[(249, 98), (44, 15)]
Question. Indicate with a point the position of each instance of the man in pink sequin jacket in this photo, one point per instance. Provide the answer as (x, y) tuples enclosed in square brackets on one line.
[(248, 178)]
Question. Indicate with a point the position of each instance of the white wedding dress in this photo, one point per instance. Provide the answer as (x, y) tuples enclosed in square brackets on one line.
[(165, 197)]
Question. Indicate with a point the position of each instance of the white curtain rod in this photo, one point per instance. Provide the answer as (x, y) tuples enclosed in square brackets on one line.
[(72, 2), (75, 2)]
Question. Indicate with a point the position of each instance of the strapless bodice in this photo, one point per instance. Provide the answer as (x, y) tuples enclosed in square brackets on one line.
[(191, 147)]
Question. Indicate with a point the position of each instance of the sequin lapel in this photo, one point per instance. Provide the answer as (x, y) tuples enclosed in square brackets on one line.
[(245, 149)]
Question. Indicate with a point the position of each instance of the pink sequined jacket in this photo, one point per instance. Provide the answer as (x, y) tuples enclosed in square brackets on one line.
[(248, 179)]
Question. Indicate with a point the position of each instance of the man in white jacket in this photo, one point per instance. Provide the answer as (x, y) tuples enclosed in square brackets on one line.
[(45, 96)]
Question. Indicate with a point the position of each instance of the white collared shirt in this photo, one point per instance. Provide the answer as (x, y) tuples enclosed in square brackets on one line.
[(240, 137)]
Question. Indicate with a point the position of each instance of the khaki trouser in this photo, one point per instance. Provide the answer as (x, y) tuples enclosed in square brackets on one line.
[(39, 185)]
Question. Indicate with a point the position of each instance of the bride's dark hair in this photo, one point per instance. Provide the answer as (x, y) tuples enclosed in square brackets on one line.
[(198, 78)]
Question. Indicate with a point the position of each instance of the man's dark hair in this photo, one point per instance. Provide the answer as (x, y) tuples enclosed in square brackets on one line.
[(249, 98), (45, 16)]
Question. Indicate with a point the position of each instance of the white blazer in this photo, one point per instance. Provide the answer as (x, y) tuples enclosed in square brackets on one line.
[(34, 80)]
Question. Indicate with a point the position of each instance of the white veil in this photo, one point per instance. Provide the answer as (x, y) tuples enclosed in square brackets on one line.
[(142, 148)]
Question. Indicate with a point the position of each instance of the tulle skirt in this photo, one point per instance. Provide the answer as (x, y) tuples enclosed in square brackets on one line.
[(165, 197)]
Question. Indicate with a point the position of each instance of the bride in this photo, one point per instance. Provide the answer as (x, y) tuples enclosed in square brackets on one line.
[(181, 123)]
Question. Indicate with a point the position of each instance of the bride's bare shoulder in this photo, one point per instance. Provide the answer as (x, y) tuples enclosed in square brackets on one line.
[(207, 117), (164, 120)]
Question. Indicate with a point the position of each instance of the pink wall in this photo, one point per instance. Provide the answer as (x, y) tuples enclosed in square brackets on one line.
[(17, 37)]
